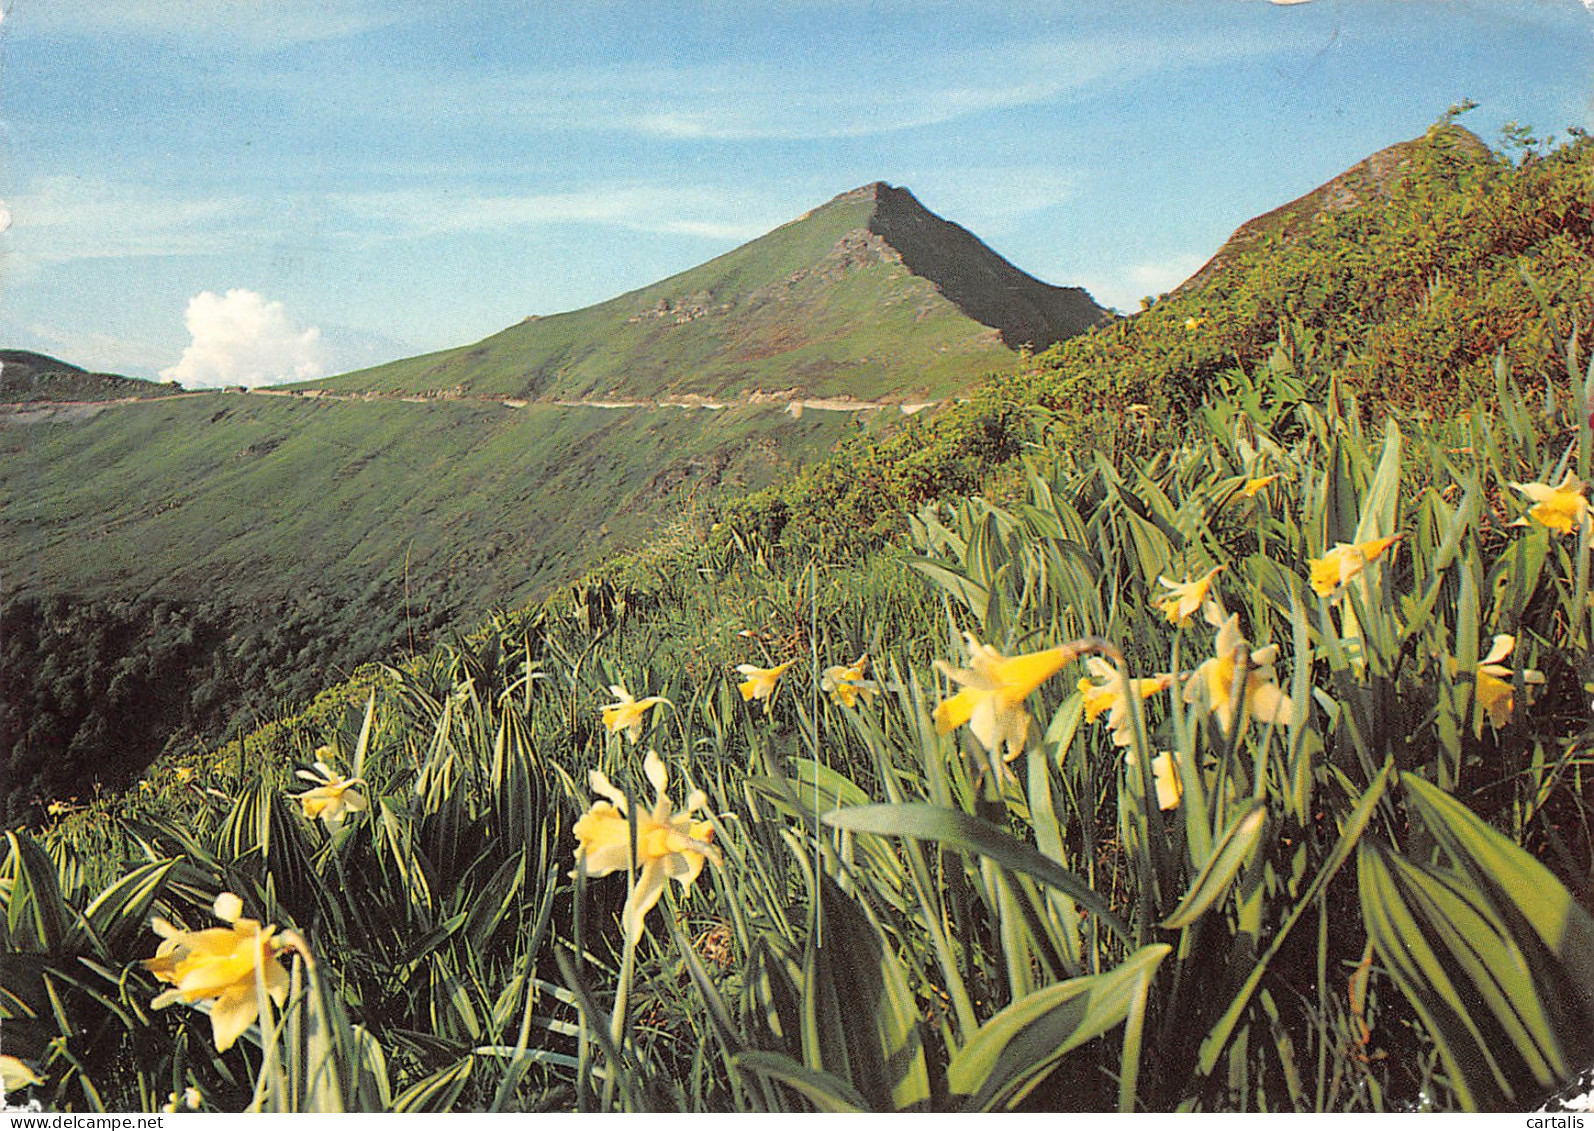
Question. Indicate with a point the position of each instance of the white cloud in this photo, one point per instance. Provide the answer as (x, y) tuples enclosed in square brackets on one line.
[(251, 25), (241, 339), (1122, 290), (751, 100), (62, 219), (654, 209)]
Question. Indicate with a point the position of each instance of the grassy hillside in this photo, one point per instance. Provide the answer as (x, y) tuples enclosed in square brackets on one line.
[(1366, 182), (831, 304), (1466, 257), (266, 542), (293, 540), (27, 376), (1236, 762), (247, 493), (1349, 874)]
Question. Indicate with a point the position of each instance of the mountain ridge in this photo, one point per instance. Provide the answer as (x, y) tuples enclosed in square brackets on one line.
[(869, 295), (1369, 179), (27, 376)]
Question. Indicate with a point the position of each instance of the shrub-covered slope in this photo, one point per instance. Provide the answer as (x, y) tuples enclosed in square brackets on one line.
[(1466, 259)]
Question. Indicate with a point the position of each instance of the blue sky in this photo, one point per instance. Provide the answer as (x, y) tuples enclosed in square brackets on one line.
[(225, 189)]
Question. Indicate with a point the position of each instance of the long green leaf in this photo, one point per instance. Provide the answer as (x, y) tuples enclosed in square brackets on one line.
[(1351, 830), (959, 830), (1013, 1051), (1232, 850), (825, 1091), (860, 1021)]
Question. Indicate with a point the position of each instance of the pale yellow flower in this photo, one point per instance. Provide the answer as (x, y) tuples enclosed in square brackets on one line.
[(1562, 508), (1213, 681), (1331, 571), (191, 1099), (1109, 695), (185, 774), (15, 1075), (846, 685), (669, 845), (60, 808), (1184, 598), (994, 689), (760, 682), (629, 714), (1254, 487), (1494, 689), (224, 964), (332, 797), (1194, 323), (1165, 774)]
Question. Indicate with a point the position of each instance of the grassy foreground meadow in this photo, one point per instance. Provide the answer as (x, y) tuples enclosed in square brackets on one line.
[(1237, 769)]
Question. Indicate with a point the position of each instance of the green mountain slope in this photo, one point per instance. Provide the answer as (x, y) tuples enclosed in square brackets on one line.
[(26, 377), (260, 495), (869, 296), (216, 554), (175, 567), (1461, 261)]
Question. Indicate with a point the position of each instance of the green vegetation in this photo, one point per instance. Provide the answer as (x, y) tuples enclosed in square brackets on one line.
[(301, 536), (1314, 838), (824, 304), (238, 552), (1408, 301), (1334, 909), (26, 376)]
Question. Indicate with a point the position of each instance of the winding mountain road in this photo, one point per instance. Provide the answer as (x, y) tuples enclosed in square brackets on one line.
[(64, 412)]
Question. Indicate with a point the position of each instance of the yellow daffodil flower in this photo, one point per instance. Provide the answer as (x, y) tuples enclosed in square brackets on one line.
[(994, 689), (669, 845), (629, 714), (1184, 598), (1254, 487), (1213, 681), (1562, 508), (60, 808), (191, 1099), (1165, 773), (224, 964), (760, 682), (1331, 571), (846, 685), (1108, 695), (15, 1075), (1494, 689), (332, 797), (185, 774), (1194, 323)]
